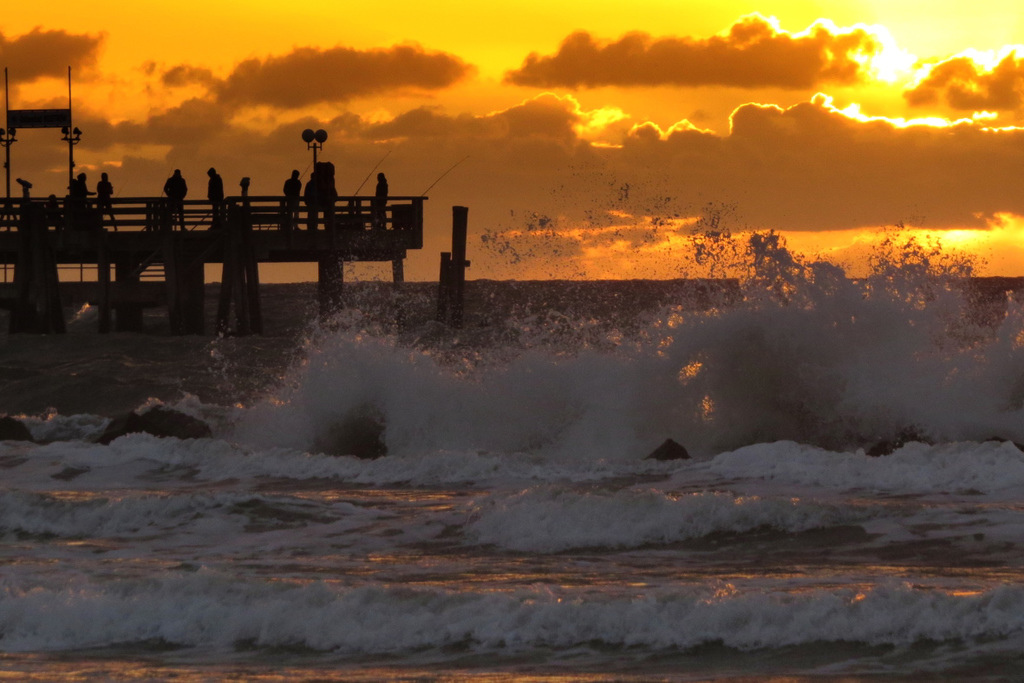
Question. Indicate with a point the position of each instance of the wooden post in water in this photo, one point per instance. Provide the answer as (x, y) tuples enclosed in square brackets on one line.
[(460, 223), (444, 297), (452, 285), (38, 306), (172, 282), (185, 280), (240, 277), (330, 283), (103, 282), (195, 294), (127, 314), (250, 266)]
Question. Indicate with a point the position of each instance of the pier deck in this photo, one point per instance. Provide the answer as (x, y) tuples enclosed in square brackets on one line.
[(144, 254)]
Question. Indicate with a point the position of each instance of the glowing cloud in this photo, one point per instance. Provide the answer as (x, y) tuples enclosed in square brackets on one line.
[(754, 53), (308, 76), (973, 82), (41, 54)]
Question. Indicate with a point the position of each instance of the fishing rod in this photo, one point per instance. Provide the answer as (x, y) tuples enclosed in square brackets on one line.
[(450, 169), (371, 172)]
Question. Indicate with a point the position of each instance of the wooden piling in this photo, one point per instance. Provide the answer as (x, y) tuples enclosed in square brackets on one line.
[(460, 222), (38, 306), (444, 296), (330, 283), (127, 314), (239, 277), (452, 278), (103, 283)]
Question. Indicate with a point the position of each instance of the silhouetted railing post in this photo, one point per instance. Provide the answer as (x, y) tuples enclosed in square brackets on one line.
[(451, 288)]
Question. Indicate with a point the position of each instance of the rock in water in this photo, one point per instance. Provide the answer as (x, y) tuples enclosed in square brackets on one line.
[(669, 450), (359, 434), (897, 441), (13, 430), (159, 421)]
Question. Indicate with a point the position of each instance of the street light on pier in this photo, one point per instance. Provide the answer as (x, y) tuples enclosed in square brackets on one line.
[(314, 141), (7, 139), (72, 137)]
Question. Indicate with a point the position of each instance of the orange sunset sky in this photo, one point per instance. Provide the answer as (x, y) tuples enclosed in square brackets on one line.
[(587, 138)]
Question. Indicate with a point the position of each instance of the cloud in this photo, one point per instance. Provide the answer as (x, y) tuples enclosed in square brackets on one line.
[(813, 166), (965, 84), (184, 75), (42, 54), (547, 118), (308, 76), (545, 193), (754, 53), (185, 126)]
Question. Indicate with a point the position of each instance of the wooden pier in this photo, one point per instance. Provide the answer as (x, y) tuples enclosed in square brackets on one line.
[(143, 253)]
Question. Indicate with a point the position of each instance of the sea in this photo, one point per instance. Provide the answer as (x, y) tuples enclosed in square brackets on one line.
[(851, 507)]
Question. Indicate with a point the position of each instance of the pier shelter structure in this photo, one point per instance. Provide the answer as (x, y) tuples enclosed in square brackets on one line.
[(139, 255)]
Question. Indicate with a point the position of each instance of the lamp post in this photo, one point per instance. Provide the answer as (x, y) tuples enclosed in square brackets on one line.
[(314, 141), (7, 139), (72, 137)]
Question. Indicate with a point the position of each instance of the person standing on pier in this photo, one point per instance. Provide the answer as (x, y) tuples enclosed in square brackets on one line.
[(78, 203), (292, 192), (176, 189), (309, 199), (104, 191), (215, 193), (380, 200), (78, 190), (326, 192)]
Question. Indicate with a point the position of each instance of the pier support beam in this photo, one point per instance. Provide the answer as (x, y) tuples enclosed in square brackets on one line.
[(185, 281), (240, 282), (330, 283), (127, 314), (37, 307)]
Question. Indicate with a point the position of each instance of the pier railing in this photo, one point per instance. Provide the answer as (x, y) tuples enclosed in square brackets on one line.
[(268, 213), (148, 251)]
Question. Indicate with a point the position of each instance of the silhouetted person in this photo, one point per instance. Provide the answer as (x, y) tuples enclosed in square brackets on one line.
[(380, 200), (215, 193), (292, 192), (78, 203), (78, 190), (309, 199), (326, 193), (176, 189), (104, 191)]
